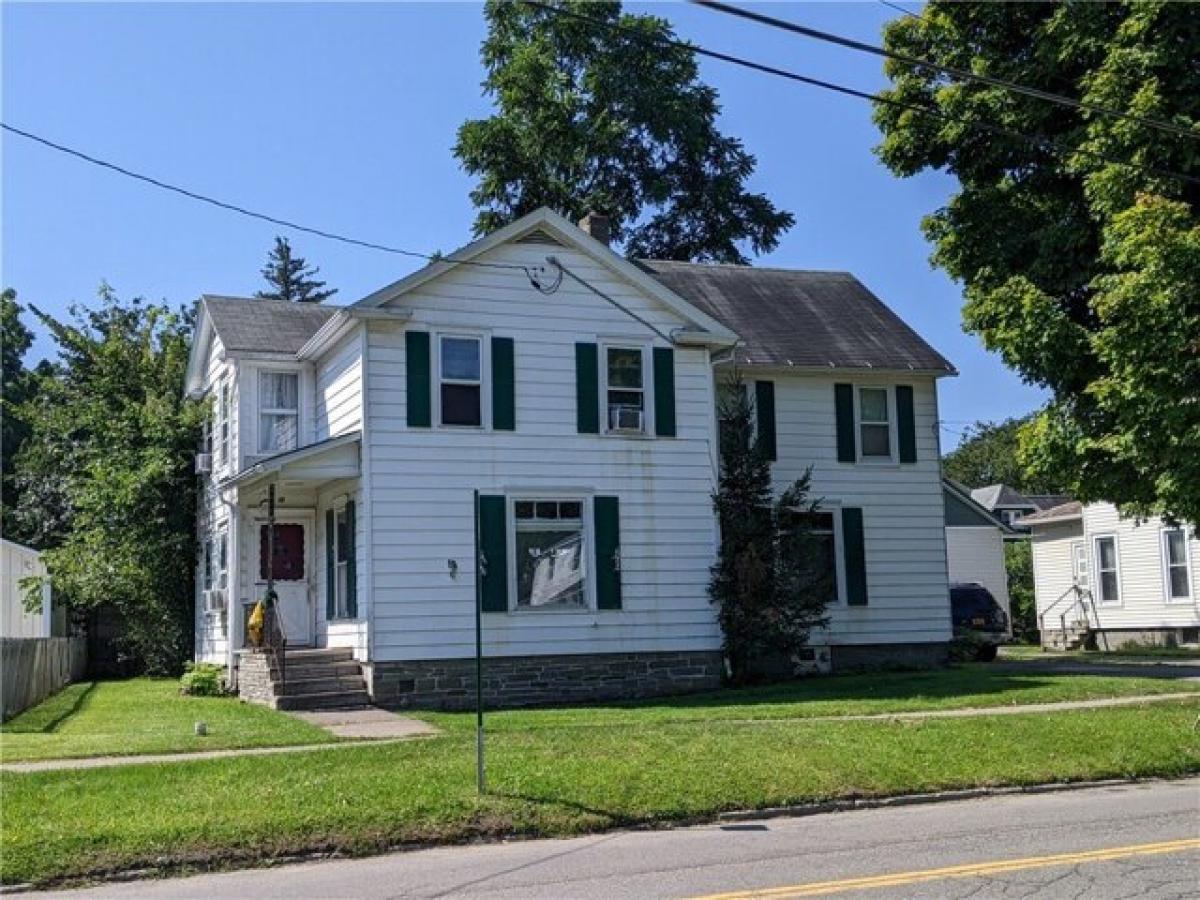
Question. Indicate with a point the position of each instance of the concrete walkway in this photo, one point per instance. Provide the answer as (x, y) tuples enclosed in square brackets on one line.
[(357, 727)]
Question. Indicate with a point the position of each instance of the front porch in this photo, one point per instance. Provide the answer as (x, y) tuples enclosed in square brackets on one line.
[(298, 534)]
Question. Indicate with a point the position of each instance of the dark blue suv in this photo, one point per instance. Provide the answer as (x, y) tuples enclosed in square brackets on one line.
[(975, 612)]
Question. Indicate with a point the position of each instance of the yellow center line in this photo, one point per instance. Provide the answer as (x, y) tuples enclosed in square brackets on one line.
[(969, 870)]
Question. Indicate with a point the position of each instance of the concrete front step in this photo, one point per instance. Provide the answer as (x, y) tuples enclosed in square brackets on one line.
[(324, 700), (294, 686), (319, 653), (323, 670)]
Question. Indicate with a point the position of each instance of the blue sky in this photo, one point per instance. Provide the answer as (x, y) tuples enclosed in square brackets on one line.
[(343, 116)]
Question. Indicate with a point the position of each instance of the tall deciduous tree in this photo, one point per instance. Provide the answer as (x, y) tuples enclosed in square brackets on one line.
[(15, 341), (107, 477), (988, 454), (291, 278), (602, 117), (1083, 273), (770, 582)]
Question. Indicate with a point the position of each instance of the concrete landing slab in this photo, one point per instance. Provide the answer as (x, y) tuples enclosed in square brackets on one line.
[(370, 723)]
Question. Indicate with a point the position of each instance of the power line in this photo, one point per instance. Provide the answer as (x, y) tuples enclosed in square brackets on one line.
[(962, 74), (900, 9), (241, 210), (1042, 142)]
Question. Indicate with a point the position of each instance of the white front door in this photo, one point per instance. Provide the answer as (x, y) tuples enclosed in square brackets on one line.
[(293, 565)]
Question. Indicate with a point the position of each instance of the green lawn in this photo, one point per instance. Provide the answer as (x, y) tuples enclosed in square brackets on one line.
[(144, 715), (549, 780), (1029, 652)]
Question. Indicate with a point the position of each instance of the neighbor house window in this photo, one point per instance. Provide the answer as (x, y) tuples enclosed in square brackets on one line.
[(1107, 574), (1175, 564), (625, 389), (874, 427), (550, 569), (341, 563), (278, 411), (461, 380)]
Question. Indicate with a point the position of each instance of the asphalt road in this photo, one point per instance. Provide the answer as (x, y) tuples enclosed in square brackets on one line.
[(1103, 843)]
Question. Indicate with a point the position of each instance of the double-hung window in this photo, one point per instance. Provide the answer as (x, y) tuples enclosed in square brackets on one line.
[(341, 563), (551, 568), (1108, 578), (222, 422), (278, 412), (207, 576), (625, 389), (817, 553), (874, 423), (1176, 574), (460, 371)]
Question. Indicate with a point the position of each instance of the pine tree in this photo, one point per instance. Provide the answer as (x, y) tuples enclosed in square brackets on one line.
[(291, 278), (769, 583)]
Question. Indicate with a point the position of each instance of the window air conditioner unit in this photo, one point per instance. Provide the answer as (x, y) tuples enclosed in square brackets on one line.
[(204, 463), (624, 418)]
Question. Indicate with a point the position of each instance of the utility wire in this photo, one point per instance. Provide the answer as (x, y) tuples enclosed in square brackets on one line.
[(900, 9), (563, 270), (1042, 142), (962, 74), (221, 204)]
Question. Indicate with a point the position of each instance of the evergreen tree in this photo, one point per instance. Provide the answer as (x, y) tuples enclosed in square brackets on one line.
[(769, 582), (291, 278), (602, 116)]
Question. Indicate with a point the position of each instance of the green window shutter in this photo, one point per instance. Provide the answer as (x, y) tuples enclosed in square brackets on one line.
[(854, 554), (351, 563), (416, 363), (330, 567), (764, 415), (608, 552), (664, 392), (906, 423), (843, 402), (504, 385), (587, 391), (493, 546)]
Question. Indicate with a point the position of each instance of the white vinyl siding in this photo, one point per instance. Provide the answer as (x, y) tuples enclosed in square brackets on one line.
[(422, 479), (339, 389), (977, 554), (903, 517)]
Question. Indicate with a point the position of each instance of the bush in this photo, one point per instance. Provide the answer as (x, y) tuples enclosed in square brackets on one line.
[(970, 646), (203, 680)]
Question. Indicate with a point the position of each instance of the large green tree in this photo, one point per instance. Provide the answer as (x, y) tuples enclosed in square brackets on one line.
[(15, 341), (106, 476), (601, 116), (988, 454), (1082, 272)]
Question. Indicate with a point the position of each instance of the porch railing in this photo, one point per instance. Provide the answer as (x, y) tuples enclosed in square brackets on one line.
[(274, 641)]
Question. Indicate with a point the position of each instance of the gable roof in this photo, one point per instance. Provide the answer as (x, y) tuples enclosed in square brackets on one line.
[(544, 226), (258, 324), (1064, 512), (961, 507), (1046, 501), (790, 318), (997, 495)]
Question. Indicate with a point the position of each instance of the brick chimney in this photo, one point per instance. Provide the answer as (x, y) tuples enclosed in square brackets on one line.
[(598, 226)]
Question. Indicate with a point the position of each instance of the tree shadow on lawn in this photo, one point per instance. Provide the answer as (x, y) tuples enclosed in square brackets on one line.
[(59, 708)]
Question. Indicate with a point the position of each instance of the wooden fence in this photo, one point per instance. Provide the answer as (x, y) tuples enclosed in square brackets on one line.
[(31, 669)]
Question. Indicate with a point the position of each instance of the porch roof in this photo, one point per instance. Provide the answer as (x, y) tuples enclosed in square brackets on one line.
[(327, 460)]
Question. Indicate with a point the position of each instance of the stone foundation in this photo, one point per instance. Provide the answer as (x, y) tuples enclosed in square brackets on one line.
[(859, 657), (1117, 638), (542, 680), (254, 677)]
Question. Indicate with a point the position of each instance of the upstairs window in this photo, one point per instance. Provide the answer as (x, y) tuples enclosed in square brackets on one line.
[(278, 412), (221, 424), (874, 426), (550, 554), (625, 389), (461, 380), (1175, 564)]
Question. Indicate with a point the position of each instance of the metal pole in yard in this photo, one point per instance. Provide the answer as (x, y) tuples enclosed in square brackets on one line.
[(480, 571)]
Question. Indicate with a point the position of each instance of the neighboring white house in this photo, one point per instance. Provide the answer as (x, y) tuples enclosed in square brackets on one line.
[(17, 563), (574, 390), (975, 544), (1103, 577)]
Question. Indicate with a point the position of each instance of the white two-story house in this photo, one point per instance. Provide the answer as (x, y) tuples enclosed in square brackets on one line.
[(532, 421)]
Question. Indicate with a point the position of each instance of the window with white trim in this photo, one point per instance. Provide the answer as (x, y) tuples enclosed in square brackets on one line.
[(278, 411), (1108, 578), (1177, 577), (874, 423), (551, 562), (341, 563), (460, 380), (222, 422), (819, 551), (625, 389), (207, 565)]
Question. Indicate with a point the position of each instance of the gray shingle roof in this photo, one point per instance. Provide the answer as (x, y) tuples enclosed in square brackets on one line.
[(276, 326), (995, 495), (787, 317), (1063, 512)]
